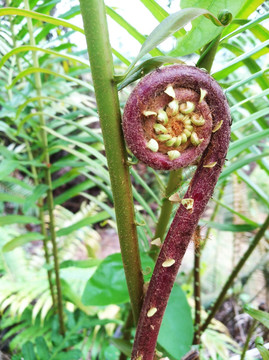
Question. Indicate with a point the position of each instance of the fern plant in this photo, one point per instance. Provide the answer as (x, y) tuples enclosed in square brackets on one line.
[(51, 140)]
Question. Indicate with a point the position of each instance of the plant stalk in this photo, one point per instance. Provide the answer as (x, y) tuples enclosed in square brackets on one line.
[(250, 333), (43, 227), (48, 182), (174, 181), (197, 287), (14, 38), (234, 274), (208, 55), (100, 55)]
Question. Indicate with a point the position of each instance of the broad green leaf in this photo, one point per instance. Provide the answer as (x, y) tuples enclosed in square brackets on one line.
[(228, 227), (22, 240), (42, 348), (131, 30), (28, 351), (33, 70), (26, 48), (72, 295), (70, 355), (30, 201), (170, 25), (38, 16), (177, 324), (18, 219), (84, 222), (203, 31), (259, 315), (108, 284), (145, 67)]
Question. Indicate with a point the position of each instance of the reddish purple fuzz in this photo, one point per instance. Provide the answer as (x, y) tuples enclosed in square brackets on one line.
[(175, 116)]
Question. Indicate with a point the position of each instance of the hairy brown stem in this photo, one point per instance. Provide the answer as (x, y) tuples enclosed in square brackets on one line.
[(197, 287), (198, 194)]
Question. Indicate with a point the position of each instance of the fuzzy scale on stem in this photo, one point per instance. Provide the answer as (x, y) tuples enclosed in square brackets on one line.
[(200, 190)]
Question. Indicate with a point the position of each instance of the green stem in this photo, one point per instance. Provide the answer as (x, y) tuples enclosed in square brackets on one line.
[(208, 55), (95, 25), (250, 333), (43, 134), (43, 226), (126, 331), (174, 182), (234, 274), (12, 30)]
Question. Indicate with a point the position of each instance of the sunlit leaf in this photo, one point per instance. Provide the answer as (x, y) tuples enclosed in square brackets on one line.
[(203, 31), (38, 16), (170, 25), (261, 316), (19, 219), (49, 72), (131, 30), (177, 322), (108, 284), (145, 67), (26, 48), (21, 240)]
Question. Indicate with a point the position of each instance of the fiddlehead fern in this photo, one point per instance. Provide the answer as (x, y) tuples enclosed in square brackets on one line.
[(176, 116)]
